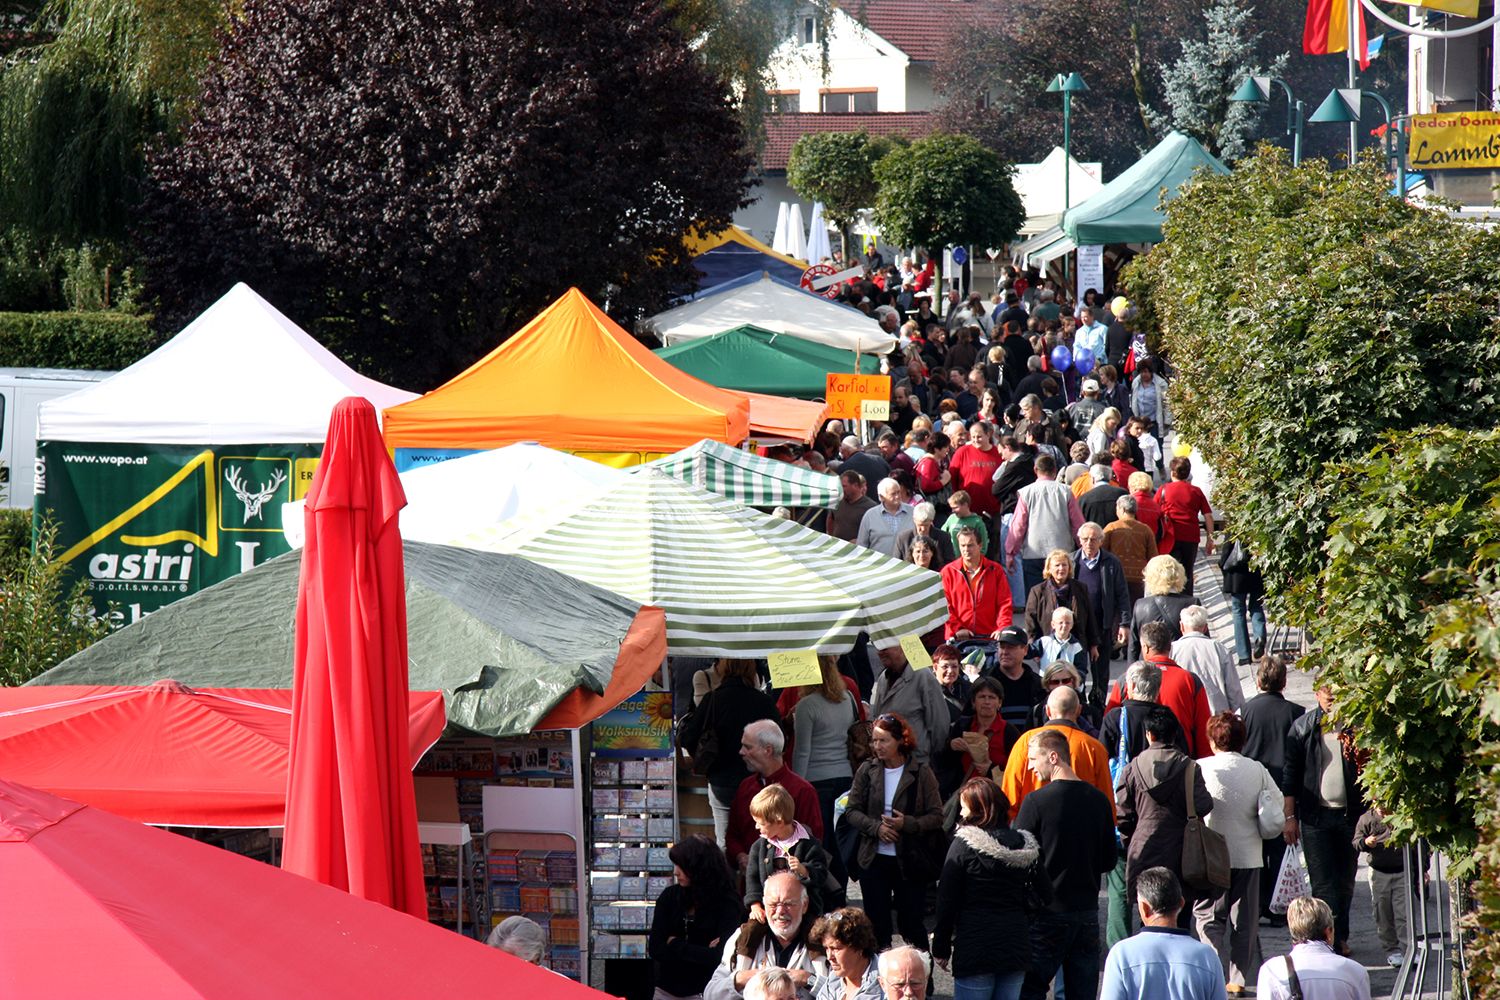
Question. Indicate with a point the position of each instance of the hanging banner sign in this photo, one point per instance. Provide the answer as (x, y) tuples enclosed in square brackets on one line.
[(1456, 140), (1090, 269), (845, 393), (146, 524)]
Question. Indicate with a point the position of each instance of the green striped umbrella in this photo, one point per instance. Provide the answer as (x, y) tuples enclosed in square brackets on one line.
[(745, 476), (732, 581)]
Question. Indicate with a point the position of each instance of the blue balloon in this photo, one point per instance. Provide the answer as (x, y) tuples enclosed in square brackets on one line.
[(1083, 360), (1062, 358)]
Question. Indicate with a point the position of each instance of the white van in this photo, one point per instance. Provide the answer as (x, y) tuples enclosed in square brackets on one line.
[(22, 390)]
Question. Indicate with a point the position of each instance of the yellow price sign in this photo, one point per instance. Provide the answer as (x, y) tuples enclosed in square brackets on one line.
[(875, 409), (795, 668), (916, 653)]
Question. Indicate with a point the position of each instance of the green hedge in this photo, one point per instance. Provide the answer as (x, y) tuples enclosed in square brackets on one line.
[(106, 341), (15, 534)]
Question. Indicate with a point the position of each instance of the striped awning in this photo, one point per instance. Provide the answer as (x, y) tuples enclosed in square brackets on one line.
[(732, 581), (745, 476), (1043, 247)]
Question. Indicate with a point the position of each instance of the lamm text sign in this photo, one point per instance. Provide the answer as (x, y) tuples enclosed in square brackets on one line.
[(1455, 140)]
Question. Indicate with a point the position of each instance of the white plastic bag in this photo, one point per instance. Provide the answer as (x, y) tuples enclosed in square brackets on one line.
[(1291, 881)]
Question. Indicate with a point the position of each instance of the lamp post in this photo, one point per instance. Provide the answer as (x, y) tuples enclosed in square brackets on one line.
[(1067, 86), (1342, 105), (1257, 90)]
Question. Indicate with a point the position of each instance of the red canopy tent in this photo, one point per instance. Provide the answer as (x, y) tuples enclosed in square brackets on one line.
[(98, 906), (166, 753)]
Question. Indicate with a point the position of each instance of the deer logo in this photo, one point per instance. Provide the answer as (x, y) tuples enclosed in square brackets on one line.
[(253, 501)]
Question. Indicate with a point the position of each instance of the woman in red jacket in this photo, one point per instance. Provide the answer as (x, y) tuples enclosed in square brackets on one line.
[(1181, 502)]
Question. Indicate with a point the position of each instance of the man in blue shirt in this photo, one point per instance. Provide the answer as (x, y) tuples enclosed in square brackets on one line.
[(1163, 961), (1090, 334)]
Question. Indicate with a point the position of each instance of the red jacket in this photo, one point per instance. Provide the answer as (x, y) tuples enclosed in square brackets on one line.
[(982, 607), (1183, 693), (741, 832)]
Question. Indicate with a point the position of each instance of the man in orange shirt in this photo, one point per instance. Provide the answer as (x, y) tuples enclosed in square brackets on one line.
[(1090, 759)]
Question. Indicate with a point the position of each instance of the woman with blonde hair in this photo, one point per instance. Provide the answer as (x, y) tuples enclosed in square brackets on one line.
[(1102, 431), (820, 730), (1164, 601), (1058, 589)]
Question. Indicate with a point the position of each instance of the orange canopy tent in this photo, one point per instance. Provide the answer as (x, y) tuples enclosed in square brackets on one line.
[(573, 380)]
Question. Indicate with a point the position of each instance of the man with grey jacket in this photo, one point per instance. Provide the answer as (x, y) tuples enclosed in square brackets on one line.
[(1201, 654), (917, 697)]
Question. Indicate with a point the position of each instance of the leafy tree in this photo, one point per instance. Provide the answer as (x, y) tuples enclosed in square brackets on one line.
[(1197, 85), (78, 107), (946, 190), (838, 169), (41, 624), (419, 178)]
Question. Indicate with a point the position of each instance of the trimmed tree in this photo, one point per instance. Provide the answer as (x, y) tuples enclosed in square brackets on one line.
[(838, 169), (417, 179), (946, 190)]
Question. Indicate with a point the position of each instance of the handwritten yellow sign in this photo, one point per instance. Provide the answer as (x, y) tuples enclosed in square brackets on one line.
[(916, 653), (794, 669), (1454, 140), (845, 392)]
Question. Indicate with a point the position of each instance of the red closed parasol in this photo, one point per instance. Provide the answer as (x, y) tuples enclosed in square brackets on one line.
[(351, 812)]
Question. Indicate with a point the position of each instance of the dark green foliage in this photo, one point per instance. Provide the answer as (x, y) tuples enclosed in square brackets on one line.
[(424, 176), (105, 341), (15, 534), (838, 169), (946, 190)]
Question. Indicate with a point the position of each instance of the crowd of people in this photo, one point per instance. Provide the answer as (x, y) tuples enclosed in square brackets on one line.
[(1078, 725)]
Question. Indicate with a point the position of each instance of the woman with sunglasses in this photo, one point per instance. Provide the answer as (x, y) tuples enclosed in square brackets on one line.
[(897, 809)]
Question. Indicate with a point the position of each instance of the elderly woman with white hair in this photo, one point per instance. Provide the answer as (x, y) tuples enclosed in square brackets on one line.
[(521, 937), (924, 525)]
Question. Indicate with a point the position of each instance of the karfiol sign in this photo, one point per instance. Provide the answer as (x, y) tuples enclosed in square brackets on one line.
[(1455, 140), (146, 524)]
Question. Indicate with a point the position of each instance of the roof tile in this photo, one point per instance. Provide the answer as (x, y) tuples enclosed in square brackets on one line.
[(783, 131)]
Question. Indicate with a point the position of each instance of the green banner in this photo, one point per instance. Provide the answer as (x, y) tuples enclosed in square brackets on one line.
[(145, 524)]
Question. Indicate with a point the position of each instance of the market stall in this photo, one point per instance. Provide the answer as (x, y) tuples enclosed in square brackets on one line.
[(572, 380), (772, 305), (732, 252), (731, 580), (759, 360), (169, 476)]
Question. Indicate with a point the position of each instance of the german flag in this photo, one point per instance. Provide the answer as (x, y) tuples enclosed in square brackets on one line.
[(1326, 30)]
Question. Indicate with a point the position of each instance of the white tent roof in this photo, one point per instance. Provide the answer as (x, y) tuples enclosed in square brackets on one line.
[(467, 494), (773, 306), (241, 373), (1040, 186)]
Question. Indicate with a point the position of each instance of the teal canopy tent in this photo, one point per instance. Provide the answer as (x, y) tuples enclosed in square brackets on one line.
[(1127, 209), (751, 359)]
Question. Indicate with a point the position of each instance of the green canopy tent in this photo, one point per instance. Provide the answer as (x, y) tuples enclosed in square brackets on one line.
[(1127, 209), (752, 359), (732, 581), (745, 476), (513, 646)]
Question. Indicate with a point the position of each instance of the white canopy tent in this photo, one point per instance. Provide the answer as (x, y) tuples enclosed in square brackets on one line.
[(773, 306), (1040, 186), (239, 373), (467, 494)]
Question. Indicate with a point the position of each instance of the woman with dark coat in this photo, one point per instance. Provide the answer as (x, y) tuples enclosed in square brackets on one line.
[(1058, 589), (1164, 579), (897, 809), (693, 918), (992, 879), (728, 709), (1247, 591)]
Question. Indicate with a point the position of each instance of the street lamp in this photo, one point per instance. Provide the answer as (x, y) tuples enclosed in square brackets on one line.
[(1067, 86), (1342, 105), (1257, 90)]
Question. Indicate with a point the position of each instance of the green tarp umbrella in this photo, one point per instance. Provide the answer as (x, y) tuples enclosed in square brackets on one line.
[(745, 476), (505, 640), (1127, 209), (732, 581), (753, 359)]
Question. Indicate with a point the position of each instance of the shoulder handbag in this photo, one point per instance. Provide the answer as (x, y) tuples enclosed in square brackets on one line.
[(857, 739), (1293, 984), (706, 751), (846, 835), (1205, 852), (922, 854)]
